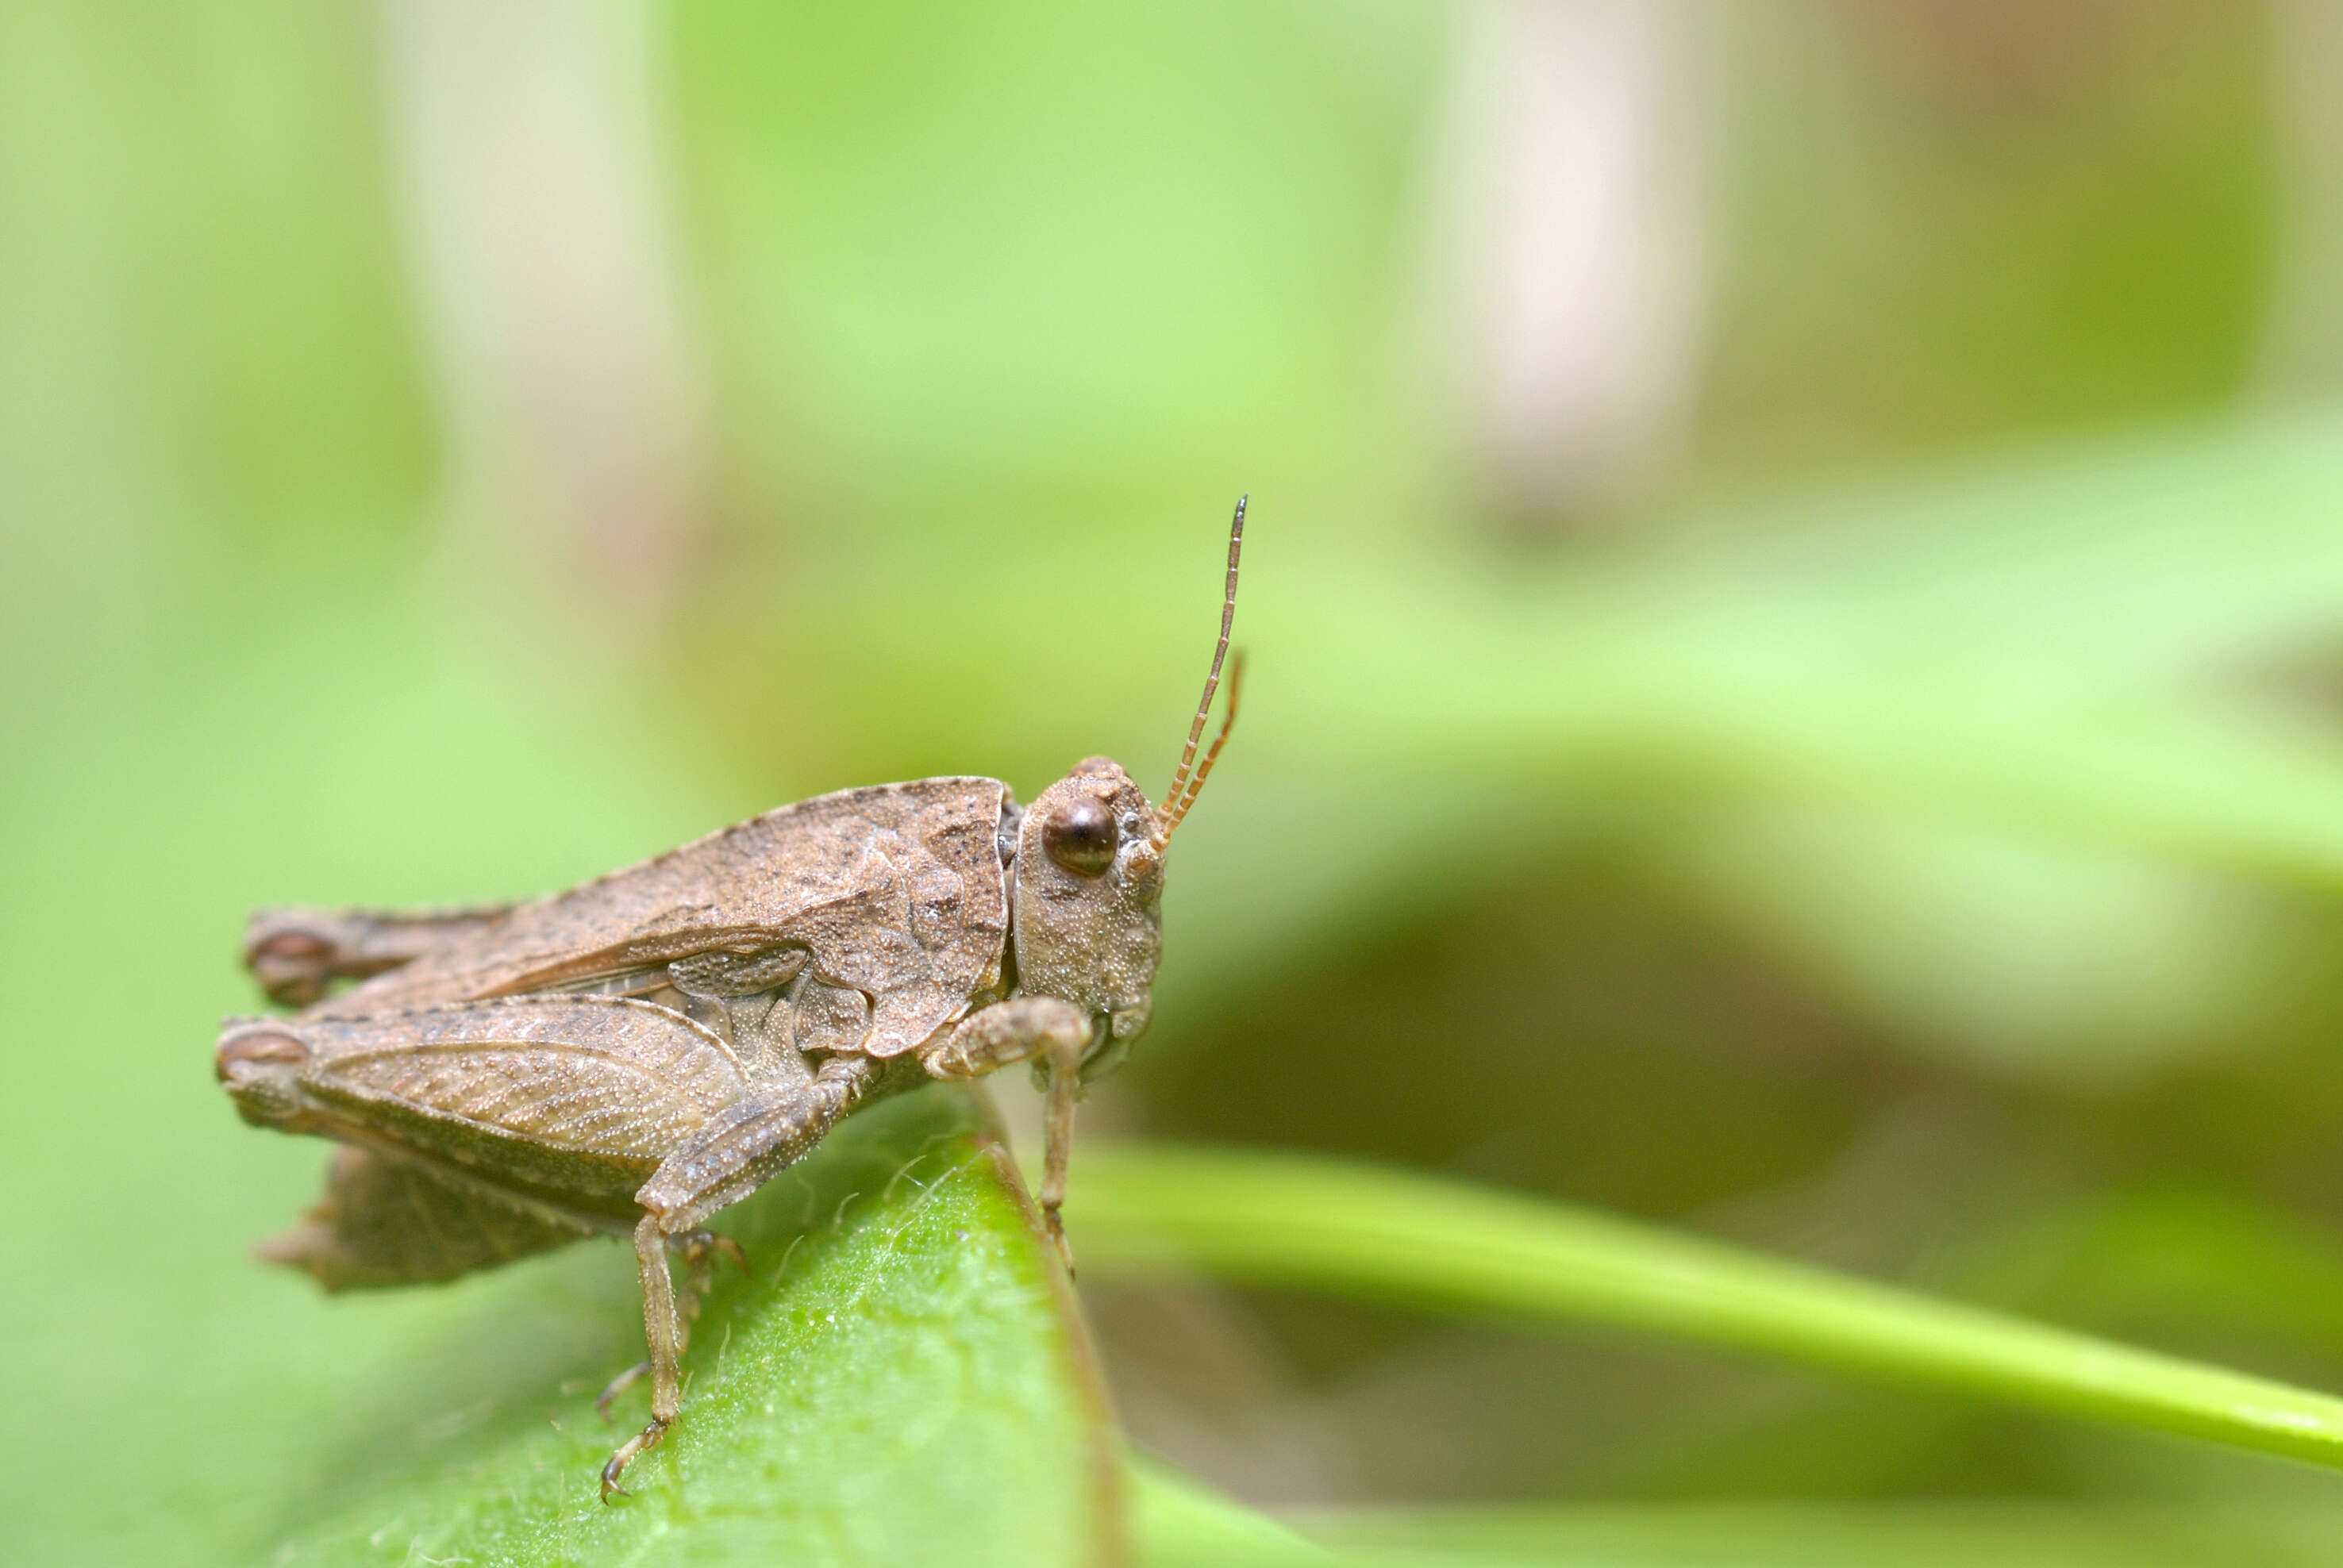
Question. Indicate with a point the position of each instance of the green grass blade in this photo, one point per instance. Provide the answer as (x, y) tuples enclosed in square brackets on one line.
[(1182, 1523), (1177, 1519), (1294, 1221), (1954, 1534)]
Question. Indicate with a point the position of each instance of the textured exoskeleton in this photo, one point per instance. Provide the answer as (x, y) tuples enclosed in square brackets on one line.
[(638, 1053)]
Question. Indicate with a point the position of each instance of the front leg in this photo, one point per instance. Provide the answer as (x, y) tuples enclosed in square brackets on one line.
[(738, 1151), (1019, 1030), (294, 953)]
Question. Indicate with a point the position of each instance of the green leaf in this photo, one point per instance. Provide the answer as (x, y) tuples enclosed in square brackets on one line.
[(899, 1381), (1289, 1220)]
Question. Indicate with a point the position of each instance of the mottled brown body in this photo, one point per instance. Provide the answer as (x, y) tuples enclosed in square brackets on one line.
[(640, 1051), (898, 893)]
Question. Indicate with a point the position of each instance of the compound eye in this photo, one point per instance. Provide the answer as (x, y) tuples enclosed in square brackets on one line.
[(1080, 838)]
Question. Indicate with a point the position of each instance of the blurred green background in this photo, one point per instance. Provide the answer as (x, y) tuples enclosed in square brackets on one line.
[(1795, 596)]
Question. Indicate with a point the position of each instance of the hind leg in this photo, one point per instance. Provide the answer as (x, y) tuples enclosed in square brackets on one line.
[(295, 953), (699, 1249)]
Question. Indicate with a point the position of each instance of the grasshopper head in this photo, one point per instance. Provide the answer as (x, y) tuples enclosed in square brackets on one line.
[(1088, 892), (1089, 917)]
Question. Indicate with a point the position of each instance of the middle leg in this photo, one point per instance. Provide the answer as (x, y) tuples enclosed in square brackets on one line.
[(663, 1329), (698, 1251), (738, 1150)]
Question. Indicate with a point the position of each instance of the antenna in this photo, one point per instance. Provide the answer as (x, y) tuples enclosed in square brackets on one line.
[(1187, 778)]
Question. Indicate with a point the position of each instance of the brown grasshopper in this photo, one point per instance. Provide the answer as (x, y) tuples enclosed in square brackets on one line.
[(637, 1053)]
